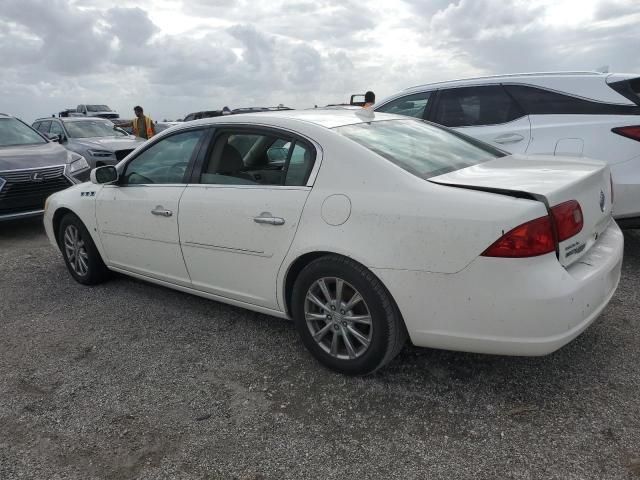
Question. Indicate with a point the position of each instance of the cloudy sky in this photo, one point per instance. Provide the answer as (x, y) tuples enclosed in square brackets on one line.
[(178, 56)]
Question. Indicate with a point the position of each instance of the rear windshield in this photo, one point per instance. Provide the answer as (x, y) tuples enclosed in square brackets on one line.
[(419, 147), (14, 132), (98, 108)]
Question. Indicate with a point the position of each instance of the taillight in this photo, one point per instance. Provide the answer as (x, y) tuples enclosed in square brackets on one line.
[(528, 240), (568, 219), (537, 237), (632, 132)]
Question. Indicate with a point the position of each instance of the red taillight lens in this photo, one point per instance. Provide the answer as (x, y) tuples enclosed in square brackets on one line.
[(632, 132), (568, 218), (528, 240)]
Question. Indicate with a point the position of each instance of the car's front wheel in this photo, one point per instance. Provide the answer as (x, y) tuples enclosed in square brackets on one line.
[(345, 316), (80, 253)]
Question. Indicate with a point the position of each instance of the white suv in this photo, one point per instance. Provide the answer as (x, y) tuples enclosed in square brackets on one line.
[(587, 114)]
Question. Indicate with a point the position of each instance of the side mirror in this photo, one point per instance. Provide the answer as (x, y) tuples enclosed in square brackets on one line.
[(102, 175), (53, 137)]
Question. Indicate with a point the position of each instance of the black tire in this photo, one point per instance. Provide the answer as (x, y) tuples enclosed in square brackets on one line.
[(388, 333), (96, 270)]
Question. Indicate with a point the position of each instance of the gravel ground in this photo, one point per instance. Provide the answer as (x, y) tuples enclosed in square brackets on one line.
[(130, 380)]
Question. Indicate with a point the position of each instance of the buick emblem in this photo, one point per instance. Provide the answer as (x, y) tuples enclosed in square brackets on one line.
[(37, 177), (602, 200)]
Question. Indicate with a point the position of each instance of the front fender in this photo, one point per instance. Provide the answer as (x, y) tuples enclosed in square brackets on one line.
[(79, 200)]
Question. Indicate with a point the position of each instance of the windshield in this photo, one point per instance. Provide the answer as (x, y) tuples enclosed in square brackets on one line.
[(98, 108), (14, 132), (92, 128), (420, 148)]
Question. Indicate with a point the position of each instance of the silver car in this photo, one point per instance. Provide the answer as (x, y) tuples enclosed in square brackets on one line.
[(96, 139)]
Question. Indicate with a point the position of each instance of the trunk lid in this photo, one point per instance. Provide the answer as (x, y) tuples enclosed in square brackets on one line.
[(551, 180)]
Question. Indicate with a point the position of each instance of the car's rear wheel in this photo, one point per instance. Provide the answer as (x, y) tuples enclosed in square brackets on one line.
[(345, 316), (80, 253)]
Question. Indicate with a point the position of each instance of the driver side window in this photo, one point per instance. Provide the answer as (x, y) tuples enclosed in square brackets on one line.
[(164, 162)]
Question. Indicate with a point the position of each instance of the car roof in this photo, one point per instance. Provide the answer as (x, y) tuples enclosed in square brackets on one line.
[(514, 77), (319, 117), (71, 119), (588, 85)]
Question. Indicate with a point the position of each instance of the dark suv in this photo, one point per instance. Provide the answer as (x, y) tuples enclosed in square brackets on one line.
[(32, 168)]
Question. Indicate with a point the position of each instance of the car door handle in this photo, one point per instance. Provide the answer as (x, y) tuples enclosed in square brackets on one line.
[(267, 218), (161, 211), (509, 138)]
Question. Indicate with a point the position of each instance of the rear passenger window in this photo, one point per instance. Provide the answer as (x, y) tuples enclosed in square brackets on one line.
[(257, 159), (411, 105), (537, 101), (471, 106)]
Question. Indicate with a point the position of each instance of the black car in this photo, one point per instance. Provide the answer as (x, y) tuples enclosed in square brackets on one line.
[(32, 168)]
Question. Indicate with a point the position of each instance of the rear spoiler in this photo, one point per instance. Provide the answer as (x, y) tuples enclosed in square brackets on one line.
[(626, 85)]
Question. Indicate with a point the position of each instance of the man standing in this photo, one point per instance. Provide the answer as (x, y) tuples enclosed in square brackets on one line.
[(142, 125)]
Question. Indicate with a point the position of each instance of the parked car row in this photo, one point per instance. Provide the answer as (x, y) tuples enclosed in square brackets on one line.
[(32, 167), (425, 218)]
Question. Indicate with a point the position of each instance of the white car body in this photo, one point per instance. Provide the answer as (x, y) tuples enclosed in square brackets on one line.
[(558, 130), (422, 239)]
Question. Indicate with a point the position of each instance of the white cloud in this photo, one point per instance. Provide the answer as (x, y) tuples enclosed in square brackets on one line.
[(175, 56)]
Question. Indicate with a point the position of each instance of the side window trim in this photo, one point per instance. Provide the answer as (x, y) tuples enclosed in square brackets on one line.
[(189, 170), (220, 129), (432, 106)]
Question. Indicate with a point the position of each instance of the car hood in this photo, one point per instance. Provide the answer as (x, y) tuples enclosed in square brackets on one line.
[(107, 143), (32, 156)]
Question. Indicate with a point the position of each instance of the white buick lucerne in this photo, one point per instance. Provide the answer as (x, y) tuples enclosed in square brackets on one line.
[(364, 228)]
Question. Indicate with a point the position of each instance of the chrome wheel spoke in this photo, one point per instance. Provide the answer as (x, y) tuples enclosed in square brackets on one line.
[(318, 302), (320, 334), (315, 317), (364, 319), (361, 338), (325, 290), (347, 343), (339, 287), (355, 299), (334, 344)]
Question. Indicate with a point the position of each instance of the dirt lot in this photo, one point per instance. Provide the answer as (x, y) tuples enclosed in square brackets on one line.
[(130, 380)]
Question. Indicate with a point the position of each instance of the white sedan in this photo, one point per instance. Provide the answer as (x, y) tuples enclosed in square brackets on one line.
[(363, 228)]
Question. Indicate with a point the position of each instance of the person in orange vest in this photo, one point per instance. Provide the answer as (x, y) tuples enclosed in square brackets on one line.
[(142, 125)]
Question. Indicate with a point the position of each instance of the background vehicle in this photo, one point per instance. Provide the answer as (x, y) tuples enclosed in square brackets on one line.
[(101, 111), (203, 114), (589, 114), (96, 139), (32, 168), (162, 126), (363, 228)]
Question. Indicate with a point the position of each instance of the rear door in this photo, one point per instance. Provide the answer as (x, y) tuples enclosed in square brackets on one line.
[(487, 113), (239, 215)]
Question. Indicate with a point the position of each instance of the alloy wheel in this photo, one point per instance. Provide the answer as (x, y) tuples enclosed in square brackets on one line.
[(76, 251), (338, 318)]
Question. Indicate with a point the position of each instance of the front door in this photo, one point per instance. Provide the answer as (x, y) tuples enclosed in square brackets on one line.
[(138, 217), (487, 113), (239, 217)]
